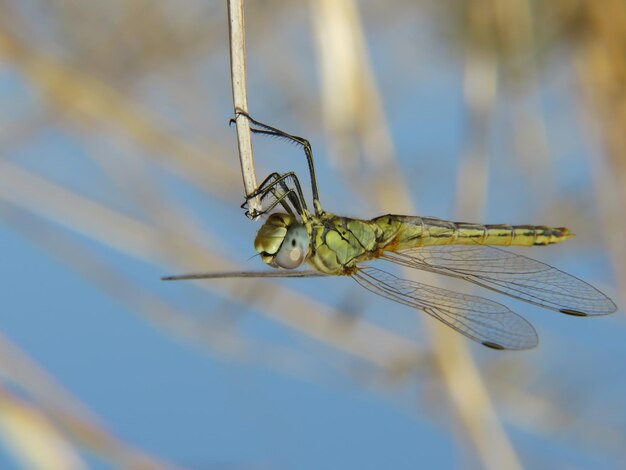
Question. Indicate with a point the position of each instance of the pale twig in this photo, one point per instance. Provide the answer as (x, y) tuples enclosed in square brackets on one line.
[(240, 100)]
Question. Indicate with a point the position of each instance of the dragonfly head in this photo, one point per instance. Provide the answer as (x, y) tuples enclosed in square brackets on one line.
[(282, 241)]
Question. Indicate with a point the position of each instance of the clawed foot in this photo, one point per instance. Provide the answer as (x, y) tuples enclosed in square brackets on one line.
[(239, 112)]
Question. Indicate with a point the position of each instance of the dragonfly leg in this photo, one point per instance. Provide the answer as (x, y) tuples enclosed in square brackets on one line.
[(279, 198), (271, 178), (286, 194), (275, 179), (270, 186), (295, 196), (306, 146)]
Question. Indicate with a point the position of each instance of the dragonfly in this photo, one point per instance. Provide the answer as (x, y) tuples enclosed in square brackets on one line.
[(333, 245)]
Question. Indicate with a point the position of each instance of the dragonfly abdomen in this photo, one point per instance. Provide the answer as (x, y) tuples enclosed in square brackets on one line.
[(410, 232), (509, 235)]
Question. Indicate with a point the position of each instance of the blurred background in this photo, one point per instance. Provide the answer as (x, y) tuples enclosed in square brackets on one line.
[(117, 166)]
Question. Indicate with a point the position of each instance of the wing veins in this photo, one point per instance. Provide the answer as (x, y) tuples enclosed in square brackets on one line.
[(518, 277), (479, 319)]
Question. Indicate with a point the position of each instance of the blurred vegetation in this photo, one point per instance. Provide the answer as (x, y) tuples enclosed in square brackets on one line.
[(141, 89)]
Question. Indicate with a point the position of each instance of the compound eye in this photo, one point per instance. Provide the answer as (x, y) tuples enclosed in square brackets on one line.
[(294, 248)]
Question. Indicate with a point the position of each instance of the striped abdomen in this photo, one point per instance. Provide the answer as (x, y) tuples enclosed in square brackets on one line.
[(407, 232)]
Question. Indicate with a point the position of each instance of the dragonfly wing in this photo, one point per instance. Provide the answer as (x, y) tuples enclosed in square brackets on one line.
[(482, 320), (254, 274), (511, 274)]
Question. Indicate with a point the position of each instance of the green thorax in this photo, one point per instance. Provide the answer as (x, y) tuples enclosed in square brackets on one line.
[(339, 243)]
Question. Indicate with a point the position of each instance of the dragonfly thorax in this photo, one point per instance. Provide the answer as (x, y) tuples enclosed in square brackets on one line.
[(282, 241)]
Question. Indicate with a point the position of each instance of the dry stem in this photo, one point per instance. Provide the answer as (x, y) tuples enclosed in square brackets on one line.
[(240, 99)]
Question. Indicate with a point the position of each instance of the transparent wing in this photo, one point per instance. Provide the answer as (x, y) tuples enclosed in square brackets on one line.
[(223, 275), (482, 320), (511, 274)]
